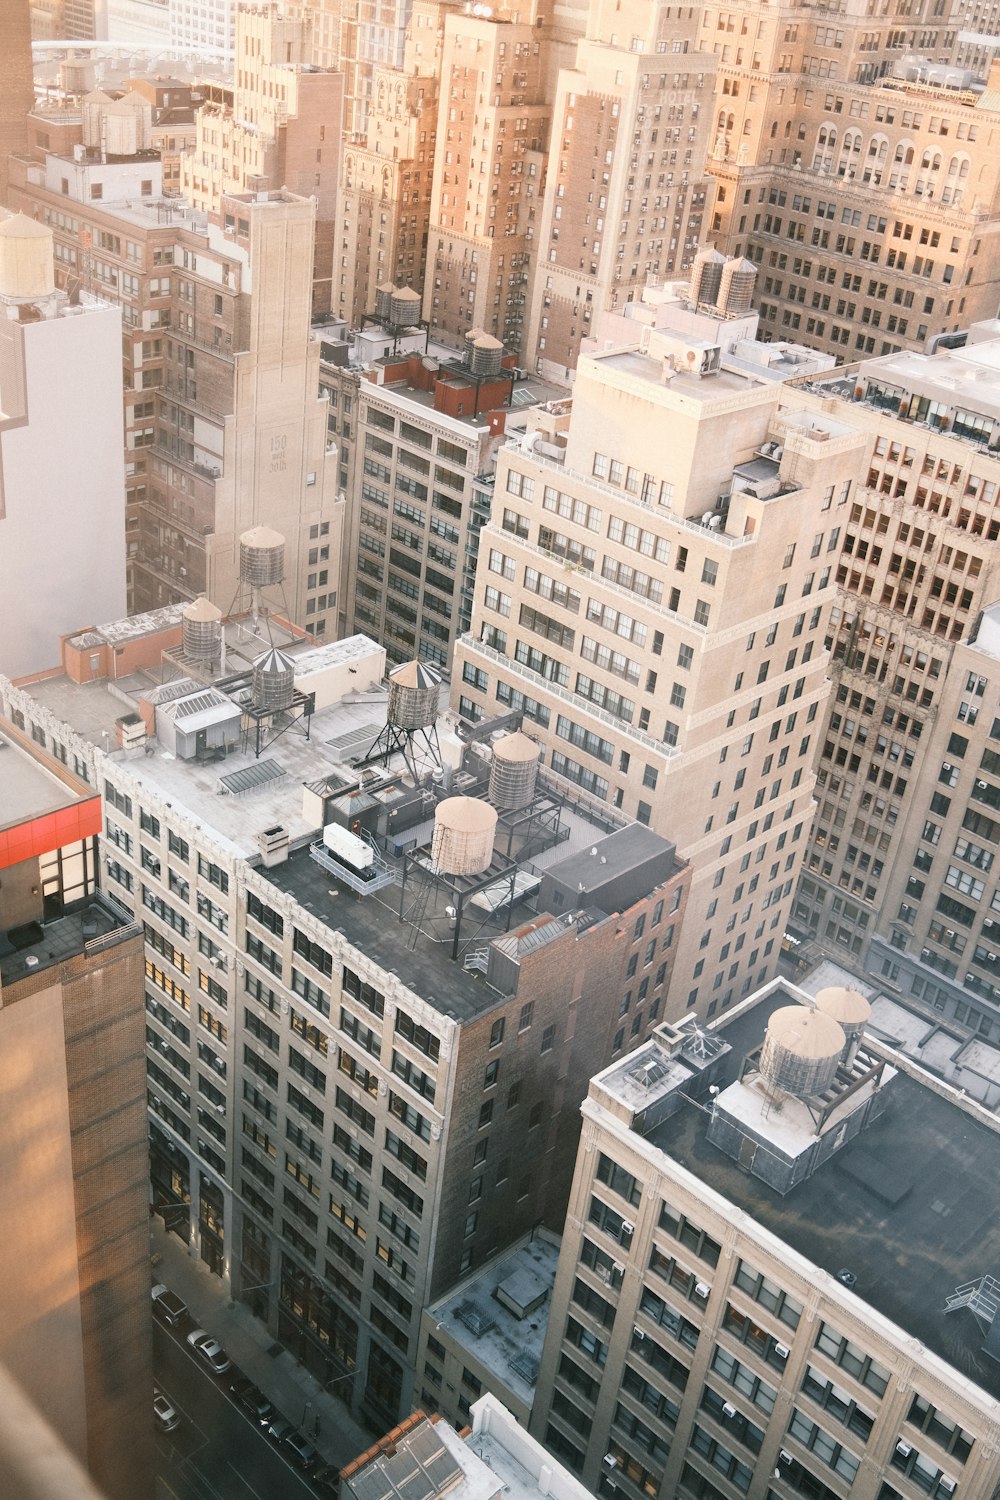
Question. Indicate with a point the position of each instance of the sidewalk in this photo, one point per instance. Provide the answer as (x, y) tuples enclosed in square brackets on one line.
[(298, 1396)]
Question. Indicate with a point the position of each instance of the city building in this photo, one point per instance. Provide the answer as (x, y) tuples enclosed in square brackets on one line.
[(62, 486), (364, 1080), (776, 1273), (74, 1267), (626, 190), (652, 594), (416, 429), (386, 192), (281, 128), (489, 165), (426, 1459), (854, 166), (486, 1333), (224, 425), (897, 875)]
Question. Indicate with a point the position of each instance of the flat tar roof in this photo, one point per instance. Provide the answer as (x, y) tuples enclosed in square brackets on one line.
[(942, 1230)]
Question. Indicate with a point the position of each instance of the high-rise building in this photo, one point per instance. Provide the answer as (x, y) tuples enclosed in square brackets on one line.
[(713, 1333), (386, 193), (224, 425), (282, 129), (897, 876), (626, 192), (652, 594), (863, 187), (489, 163), (62, 487), (74, 1264), (365, 1064)]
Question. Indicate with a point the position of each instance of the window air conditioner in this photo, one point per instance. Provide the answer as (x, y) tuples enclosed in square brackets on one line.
[(638, 1333), (610, 1462), (702, 1289), (627, 1227), (786, 1458), (728, 1410), (903, 1449), (781, 1349)]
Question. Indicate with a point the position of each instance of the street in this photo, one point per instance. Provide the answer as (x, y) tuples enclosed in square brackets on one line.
[(216, 1453)]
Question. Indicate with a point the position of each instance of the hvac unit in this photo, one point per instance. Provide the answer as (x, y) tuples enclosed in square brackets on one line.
[(627, 1227), (786, 1458), (610, 1462), (638, 1333), (702, 1289), (903, 1449), (782, 1350), (728, 1410)]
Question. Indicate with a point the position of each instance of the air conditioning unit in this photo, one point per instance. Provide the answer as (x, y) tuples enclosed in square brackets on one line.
[(903, 1449), (949, 1484), (728, 1410), (981, 783), (782, 1350), (610, 1462), (638, 1333), (702, 1289), (786, 1458), (627, 1227), (617, 1269)]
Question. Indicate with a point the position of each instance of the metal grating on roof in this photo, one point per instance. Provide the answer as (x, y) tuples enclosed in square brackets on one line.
[(522, 397), (477, 1318), (237, 783), (526, 1365)]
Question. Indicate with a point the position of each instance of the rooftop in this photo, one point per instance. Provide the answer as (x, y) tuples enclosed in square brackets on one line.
[(908, 1206), (280, 789), (474, 1318)]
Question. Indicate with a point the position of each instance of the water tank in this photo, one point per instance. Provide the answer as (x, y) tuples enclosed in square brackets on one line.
[(464, 830), (706, 276), (414, 695), (801, 1050), (26, 259), (273, 681), (514, 771), (201, 627), (383, 301), (736, 289), (405, 307), (262, 557), (849, 1009), (485, 356)]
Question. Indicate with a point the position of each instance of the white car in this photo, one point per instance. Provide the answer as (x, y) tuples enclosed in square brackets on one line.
[(210, 1350), (164, 1413)]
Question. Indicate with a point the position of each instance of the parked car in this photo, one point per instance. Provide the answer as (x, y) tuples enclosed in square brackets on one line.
[(163, 1412), (300, 1450), (210, 1350), (167, 1305), (251, 1399), (279, 1428)]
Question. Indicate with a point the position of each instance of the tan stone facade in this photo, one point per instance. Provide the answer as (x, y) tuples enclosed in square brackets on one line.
[(653, 597)]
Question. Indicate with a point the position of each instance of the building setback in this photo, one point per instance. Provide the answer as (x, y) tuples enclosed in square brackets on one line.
[(651, 593), (713, 1334), (74, 1267), (359, 1090)]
